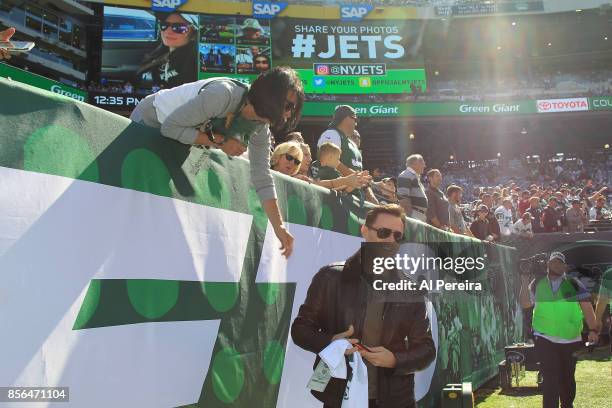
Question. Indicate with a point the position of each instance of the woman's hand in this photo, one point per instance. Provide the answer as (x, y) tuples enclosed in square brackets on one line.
[(303, 177), (233, 147), (286, 240), (6, 36)]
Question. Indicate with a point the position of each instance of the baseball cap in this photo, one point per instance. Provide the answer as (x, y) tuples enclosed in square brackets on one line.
[(342, 111), (192, 19), (557, 255), (482, 207), (252, 24)]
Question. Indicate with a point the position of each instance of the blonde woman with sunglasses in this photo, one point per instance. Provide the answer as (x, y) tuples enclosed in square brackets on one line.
[(287, 158)]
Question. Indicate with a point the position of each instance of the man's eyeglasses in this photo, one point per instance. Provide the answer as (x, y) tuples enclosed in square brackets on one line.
[(293, 159), (384, 233), (177, 28)]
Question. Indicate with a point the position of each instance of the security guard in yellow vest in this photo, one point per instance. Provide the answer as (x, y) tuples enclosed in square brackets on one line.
[(560, 305)]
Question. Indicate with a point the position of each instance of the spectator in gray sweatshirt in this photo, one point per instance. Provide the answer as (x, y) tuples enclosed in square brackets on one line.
[(226, 114)]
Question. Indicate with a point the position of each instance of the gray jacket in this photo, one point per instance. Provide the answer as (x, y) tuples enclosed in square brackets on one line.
[(216, 100)]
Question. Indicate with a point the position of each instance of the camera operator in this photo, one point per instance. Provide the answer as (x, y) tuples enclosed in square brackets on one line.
[(605, 298), (560, 304)]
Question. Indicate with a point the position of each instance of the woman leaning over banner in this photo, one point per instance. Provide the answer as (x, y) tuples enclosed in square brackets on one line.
[(226, 114)]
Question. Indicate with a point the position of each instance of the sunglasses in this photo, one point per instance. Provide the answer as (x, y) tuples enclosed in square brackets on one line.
[(289, 106), (177, 28), (294, 159), (384, 233)]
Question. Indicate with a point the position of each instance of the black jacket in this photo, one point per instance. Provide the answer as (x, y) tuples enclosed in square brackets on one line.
[(170, 69), (336, 299)]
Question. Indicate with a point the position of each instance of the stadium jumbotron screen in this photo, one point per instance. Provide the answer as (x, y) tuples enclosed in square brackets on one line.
[(337, 57), (332, 57)]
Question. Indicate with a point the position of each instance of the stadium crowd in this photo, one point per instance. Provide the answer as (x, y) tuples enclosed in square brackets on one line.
[(482, 200)]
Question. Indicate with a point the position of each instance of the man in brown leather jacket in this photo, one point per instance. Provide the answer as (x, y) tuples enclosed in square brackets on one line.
[(341, 303)]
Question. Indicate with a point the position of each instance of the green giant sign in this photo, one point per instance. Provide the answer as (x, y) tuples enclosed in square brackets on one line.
[(425, 108), (19, 75)]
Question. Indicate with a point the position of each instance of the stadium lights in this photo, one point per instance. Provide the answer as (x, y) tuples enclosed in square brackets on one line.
[(523, 131), (549, 44), (498, 154), (606, 146), (436, 73), (606, 38), (514, 24), (578, 10), (451, 157), (411, 136), (499, 47)]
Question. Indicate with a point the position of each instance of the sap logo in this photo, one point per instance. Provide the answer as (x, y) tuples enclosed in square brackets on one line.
[(264, 9), (166, 5), (354, 13)]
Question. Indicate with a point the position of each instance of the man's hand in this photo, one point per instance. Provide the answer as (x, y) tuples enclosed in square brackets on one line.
[(286, 240), (6, 36), (345, 335), (303, 177), (355, 180), (599, 326), (233, 147), (379, 357), (593, 337)]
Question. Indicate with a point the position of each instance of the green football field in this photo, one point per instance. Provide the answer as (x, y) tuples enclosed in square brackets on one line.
[(593, 386)]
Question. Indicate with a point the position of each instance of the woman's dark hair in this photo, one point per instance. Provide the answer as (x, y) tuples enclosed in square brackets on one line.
[(268, 95)]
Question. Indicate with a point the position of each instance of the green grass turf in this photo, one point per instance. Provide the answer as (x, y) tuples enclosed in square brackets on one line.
[(593, 386)]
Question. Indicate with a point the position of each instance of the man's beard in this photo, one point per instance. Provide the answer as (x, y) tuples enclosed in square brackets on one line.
[(372, 250)]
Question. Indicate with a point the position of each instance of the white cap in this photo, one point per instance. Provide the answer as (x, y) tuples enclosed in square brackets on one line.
[(557, 255)]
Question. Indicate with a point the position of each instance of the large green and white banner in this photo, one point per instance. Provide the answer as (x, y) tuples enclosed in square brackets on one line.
[(141, 272)]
